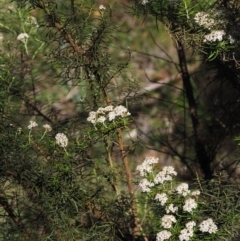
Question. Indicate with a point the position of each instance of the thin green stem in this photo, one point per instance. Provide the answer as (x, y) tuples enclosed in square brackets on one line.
[(65, 151), (29, 136), (43, 135)]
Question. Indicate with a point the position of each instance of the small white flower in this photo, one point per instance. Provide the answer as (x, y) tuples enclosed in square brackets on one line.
[(163, 235), (101, 110), (92, 117), (147, 165), (189, 205), (168, 220), (102, 7), (162, 198), (108, 108), (165, 175), (208, 226), (161, 177), (182, 189), (169, 170), (61, 140), (195, 193), (111, 115), (47, 127), (171, 209), (190, 225), (121, 111), (185, 234), (32, 125), (101, 119), (145, 185), (22, 37)]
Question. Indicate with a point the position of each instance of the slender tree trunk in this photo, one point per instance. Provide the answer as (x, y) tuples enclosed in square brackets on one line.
[(201, 153)]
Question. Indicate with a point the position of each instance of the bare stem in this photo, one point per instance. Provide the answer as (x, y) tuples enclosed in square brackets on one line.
[(200, 149), (137, 227)]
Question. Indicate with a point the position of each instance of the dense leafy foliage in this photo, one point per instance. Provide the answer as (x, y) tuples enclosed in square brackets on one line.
[(70, 109)]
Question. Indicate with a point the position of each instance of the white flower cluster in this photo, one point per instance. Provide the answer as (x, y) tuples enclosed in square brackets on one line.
[(22, 37), (189, 205), (147, 165), (208, 226), (188, 232), (145, 185), (182, 189), (195, 193), (168, 220), (206, 21), (215, 35), (47, 127), (162, 198), (203, 19), (163, 235), (102, 7), (61, 140), (171, 209), (108, 113), (185, 201), (32, 125), (165, 175)]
